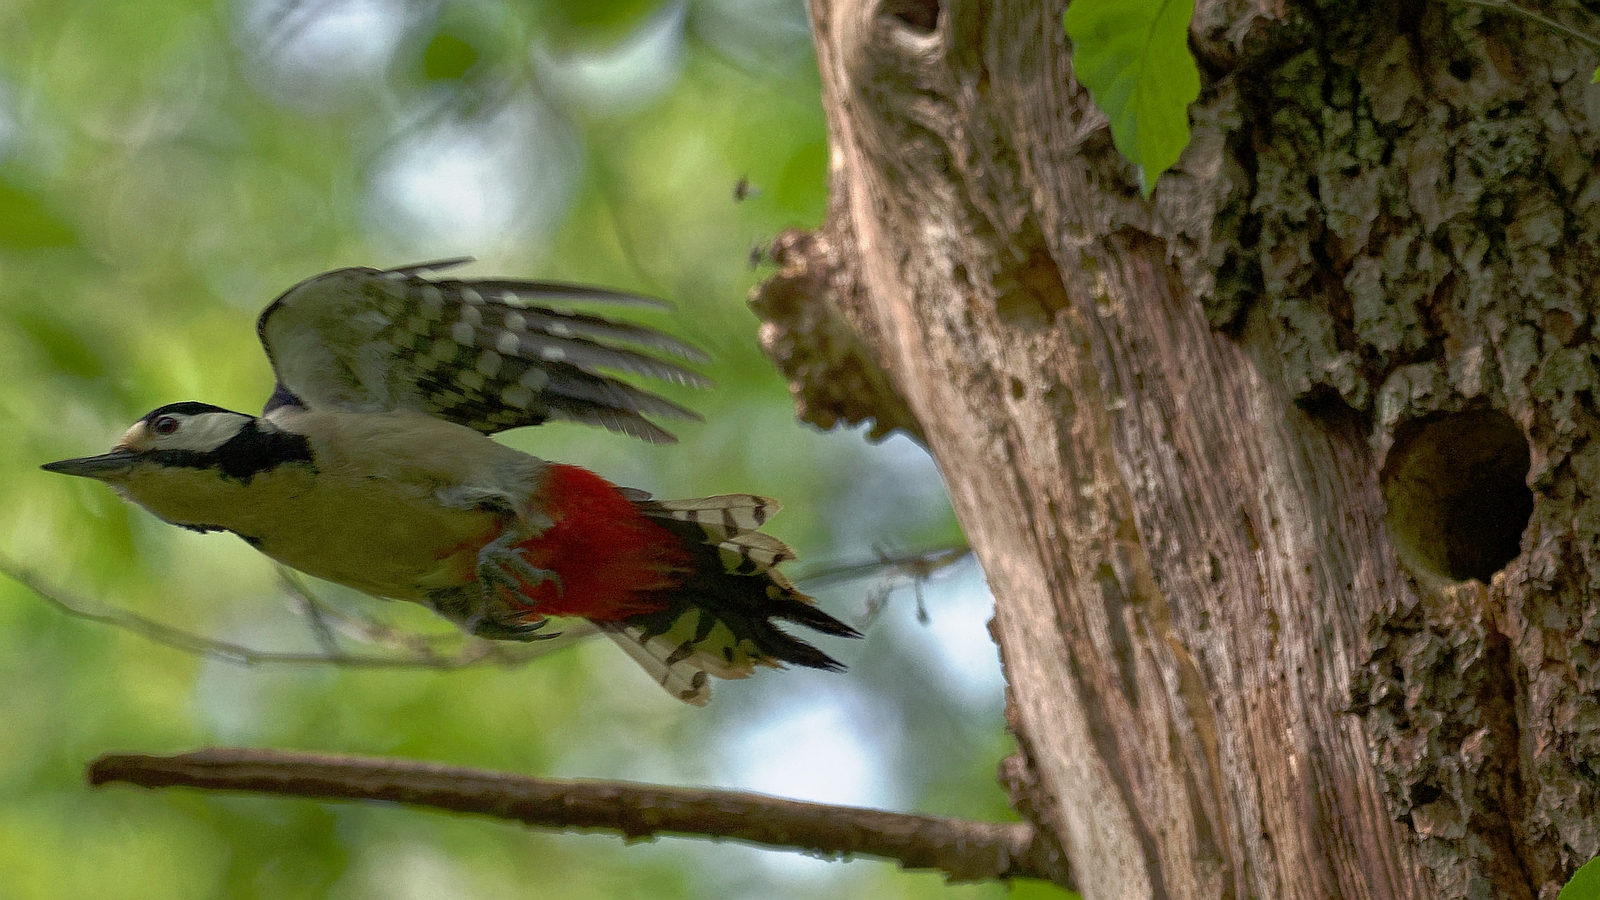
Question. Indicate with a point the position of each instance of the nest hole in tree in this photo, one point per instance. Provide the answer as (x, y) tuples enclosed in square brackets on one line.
[(1457, 493), (920, 15)]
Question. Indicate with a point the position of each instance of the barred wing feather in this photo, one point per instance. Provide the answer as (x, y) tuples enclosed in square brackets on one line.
[(491, 354)]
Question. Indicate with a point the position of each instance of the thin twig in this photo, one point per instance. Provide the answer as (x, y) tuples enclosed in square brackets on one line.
[(919, 568), (1588, 40), (316, 614), (330, 622), (920, 565), (470, 652), (407, 649), (964, 850)]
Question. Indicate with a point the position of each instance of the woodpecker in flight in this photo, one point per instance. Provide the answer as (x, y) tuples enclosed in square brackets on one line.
[(371, 467)]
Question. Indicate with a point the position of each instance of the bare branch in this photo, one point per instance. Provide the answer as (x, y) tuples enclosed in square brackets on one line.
[(964, 850)]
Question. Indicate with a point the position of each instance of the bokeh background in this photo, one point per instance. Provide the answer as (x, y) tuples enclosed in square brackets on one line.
[(166, 169)]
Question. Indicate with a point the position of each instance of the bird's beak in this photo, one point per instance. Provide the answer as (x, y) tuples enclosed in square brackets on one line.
[(102, 467)]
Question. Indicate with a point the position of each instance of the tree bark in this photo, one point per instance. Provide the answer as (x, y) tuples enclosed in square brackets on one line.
[(1173, 429)]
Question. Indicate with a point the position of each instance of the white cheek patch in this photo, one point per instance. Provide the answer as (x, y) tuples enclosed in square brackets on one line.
[(202, 433)]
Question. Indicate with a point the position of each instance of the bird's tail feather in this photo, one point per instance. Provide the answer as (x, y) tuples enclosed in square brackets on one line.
[(722, 619)]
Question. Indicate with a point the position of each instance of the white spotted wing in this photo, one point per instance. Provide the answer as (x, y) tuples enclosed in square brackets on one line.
[(490, 354)]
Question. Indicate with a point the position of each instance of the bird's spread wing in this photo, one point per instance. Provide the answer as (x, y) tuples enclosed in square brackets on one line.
[(486, 353)]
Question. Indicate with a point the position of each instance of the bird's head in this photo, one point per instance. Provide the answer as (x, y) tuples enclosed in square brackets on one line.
[(176, 436)]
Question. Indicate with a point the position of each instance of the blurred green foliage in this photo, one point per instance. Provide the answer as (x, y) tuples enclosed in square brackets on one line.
[(165, 170), (448, 57)]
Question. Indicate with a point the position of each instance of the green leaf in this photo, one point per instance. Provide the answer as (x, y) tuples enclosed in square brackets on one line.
[(1133, 56), (1585, 883)]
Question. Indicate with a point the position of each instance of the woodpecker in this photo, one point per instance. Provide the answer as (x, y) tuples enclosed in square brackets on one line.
[(371, 466)]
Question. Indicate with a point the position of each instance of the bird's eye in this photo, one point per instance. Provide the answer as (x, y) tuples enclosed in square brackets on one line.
[(164, 425)]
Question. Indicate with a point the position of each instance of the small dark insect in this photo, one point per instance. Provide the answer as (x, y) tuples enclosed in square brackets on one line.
[(758, 254), (743, 190)]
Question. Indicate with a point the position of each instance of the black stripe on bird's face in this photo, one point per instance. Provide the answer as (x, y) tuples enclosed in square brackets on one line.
[(251, 451), (193, 435)]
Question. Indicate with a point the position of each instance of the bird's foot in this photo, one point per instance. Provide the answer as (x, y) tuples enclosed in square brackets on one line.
[(503, 565)]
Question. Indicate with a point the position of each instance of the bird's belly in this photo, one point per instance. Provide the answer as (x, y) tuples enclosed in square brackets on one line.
[(402, 547)]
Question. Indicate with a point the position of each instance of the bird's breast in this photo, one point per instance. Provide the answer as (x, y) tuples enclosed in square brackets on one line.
[(393, 540), (377, 507), (386, 536)]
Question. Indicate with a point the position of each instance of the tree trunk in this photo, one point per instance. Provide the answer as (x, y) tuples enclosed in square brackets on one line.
[(1238, 461)]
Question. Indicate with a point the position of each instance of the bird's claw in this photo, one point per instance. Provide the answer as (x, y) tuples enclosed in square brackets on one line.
[(504, 565), (499, 630)]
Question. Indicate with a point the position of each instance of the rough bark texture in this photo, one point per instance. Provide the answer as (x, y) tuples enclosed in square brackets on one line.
[(1170, 428)]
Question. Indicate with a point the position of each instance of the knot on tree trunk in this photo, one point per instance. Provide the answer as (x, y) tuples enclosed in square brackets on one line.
[(833, 376)]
